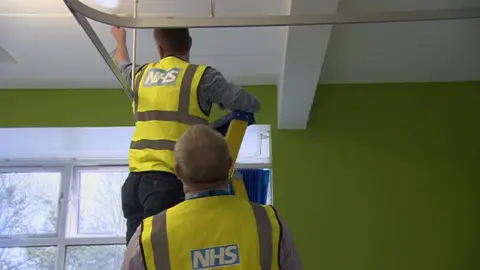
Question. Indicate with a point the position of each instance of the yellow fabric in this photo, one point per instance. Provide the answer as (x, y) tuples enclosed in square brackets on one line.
[(147, 243), (276, 236), (162, 98), (218, 221)]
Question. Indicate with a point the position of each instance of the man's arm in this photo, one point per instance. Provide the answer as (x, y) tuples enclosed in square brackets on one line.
[(214, 88), (289, 257), (133, 259), (126, 69), (122, 57), (121, 52)]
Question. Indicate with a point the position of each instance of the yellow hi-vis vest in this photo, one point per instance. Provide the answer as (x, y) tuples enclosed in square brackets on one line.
[(219, 232), (165, 105)]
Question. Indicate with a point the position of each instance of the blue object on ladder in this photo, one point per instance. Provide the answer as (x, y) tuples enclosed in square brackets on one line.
[(222, 124)]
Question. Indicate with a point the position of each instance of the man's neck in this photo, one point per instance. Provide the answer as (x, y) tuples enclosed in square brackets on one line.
[(185, 57), (192, 191)]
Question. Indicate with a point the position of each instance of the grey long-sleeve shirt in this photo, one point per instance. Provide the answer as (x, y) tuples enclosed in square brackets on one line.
[(213, 88), (289, 258)]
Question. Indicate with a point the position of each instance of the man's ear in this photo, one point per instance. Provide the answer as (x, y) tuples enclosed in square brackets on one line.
[(178, 171), (230, 162), (160, 51)]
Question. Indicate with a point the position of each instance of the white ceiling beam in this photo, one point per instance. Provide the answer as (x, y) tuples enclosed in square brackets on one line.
[(305, 49)]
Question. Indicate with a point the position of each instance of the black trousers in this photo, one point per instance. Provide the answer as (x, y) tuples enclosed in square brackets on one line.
[(145, 194)]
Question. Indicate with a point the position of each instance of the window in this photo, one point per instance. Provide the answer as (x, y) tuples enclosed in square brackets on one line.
[(28, 258), (67, 217), (96, 208), (94, 257), (29, 202)]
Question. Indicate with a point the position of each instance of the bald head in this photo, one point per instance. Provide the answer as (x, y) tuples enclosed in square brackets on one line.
[(202, 157)]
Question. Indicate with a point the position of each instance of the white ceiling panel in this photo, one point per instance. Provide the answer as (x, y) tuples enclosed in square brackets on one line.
[(6, 57), (26, 7), (190, 8), (237, 40), (181, 8), (258, 69), (384, 5), (33, 39), (404, 52), (249, 70), (58, 54), (53, 51)]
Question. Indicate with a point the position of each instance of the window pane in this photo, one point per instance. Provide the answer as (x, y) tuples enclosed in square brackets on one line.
[(29, 202), (100, 209), (32, 258), (94, 257)]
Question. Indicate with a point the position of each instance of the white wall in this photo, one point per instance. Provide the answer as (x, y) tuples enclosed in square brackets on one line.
[(103, 143)]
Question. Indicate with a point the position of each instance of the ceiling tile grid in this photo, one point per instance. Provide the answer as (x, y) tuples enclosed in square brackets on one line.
[(51, 50)]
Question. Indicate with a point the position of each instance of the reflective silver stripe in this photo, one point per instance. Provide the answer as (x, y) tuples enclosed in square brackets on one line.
[(185, 88), (138, 80), (153, 144), (264, 229), (160, 241), (170, 116), (139, 75)]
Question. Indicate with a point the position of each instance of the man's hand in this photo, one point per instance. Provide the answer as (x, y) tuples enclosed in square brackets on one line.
[(119, 34), (121, 53)]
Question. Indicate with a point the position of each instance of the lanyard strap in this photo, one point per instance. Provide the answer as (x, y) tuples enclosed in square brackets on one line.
[(209, 193)]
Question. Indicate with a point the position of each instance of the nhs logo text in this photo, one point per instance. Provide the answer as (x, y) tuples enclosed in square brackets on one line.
[(159, 77), (215, 257)]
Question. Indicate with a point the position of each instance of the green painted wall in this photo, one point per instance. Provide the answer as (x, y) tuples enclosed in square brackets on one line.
[(81, 108), (386, 177)]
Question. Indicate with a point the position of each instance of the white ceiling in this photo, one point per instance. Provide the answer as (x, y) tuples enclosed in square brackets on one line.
[(50, 50), (34, 144), (53, 51), (404, 52)]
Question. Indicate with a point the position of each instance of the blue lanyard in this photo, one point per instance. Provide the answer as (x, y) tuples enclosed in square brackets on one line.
[(209, 193)]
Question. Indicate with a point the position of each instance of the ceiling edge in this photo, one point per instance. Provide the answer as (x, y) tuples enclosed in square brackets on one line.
[(6, 57)]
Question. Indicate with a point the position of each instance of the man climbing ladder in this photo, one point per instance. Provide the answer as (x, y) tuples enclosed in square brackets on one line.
[(168, 97)]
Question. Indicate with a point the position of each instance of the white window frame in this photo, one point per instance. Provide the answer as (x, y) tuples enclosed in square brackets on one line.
[(70, 169), (75, 197), (37, 169)]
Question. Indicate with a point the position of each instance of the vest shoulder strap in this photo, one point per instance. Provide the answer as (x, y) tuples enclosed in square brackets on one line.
[(155, 249), (138, 79), (154, 239), (269, 235)]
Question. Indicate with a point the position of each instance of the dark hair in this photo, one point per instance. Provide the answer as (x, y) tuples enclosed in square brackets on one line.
[(173, 40)]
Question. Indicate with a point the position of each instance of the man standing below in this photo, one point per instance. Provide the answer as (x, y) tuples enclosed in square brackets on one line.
[(211, 228), (169, 96)]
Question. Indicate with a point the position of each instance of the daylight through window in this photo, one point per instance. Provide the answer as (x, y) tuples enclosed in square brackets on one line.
[(61, 218), (70, 216)]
